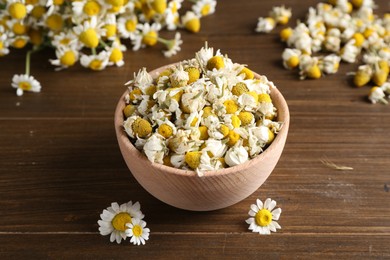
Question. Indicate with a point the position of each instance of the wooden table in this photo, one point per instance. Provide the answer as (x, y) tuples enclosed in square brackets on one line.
[(61, 165)]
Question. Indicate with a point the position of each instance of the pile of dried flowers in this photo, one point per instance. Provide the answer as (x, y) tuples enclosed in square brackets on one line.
[(340, 30), (92, 31), (206, 113)]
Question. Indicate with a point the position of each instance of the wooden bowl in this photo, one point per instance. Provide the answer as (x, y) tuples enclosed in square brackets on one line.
[(217, 189)]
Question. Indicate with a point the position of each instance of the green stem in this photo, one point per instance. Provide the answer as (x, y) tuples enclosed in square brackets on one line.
[(103, 43), (93, 51), (28, 57)]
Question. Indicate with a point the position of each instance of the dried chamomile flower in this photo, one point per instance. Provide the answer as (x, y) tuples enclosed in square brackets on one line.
[(265, 25), (203, 114), (377, 95)]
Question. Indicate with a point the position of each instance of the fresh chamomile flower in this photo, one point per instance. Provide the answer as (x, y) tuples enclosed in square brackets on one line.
[(329, 64), (113, 220), (265, 25), (66, 57), (173, 46), (280, 14), (145, 35), (95, 61), (25, 82), (127, 25), (3, 44), (116, 54), (291, 58), (191, 22), (263, 217), (204, 7), (85, 9), (17, 9), (376, 95), (89, 32), (236, 155), (66, 39), (137, 231)]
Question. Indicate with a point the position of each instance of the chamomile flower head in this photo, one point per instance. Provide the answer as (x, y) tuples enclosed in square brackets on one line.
[(191, 22), (127, 25), (145, 35), (116, 54), (281, 14), (113, 220), (66, 57), (204, 7), (95, 61), (263, 217), (173, 46), (86, 8), (137, 231), (89, 33), (377, 95), (66, 39), (25, 82), (265, 24), (291, 58), (330, 63), (155, 148), (236, 155)]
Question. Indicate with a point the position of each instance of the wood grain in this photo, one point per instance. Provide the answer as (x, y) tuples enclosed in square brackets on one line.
[(60, 163)]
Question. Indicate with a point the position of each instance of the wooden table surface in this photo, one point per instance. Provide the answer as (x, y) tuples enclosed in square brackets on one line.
[(60, 163)]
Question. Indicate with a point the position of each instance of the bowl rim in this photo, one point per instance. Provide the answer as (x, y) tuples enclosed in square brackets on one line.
[(122, 136)]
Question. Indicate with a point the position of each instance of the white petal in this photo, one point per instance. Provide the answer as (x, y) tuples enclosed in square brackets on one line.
[(276, 224), (250, 220), (276, 213), (271, 205), (118, 237), (255, 208), (115, 207), (259, 203), (112, 237), (267, 203)]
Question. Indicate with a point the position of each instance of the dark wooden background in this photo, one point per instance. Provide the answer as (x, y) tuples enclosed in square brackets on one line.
[(60, 164)]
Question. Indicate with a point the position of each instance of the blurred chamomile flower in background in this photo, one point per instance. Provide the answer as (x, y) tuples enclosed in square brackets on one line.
[(95, 33)]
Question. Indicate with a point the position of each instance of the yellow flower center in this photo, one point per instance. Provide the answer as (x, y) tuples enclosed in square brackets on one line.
[(314, 72), (359, 39), (159, 6), (89, 38), (135, 93), (215, 62), (17, 10), (137, 230), (165, 130), (293, 62), (110, 30), (357, 3), (233, 137), (224, 130), (150, 38), (248, 73), (263, 217), (95, 64), (379, 77), (204, 135), (31, 2), (65, 41), (120, 220), (207, 111), (35, 36), (19, 28), (129, 110), (1, 45), (174, 7), (245, 117), (236, 122), (25, 85), (285, 34), (271, 136), (58, 2), (239, 89), (193, 159), (116, 55), (193, 25), (117, 3), (193, 74), (54, 22), (148, 11), (205, 9), (265, 98), (141, 127), (194, 121), (68, 59), (91, 8), (19, 43), (231, 106), (361, 78), (38, 11), (131, 25)]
